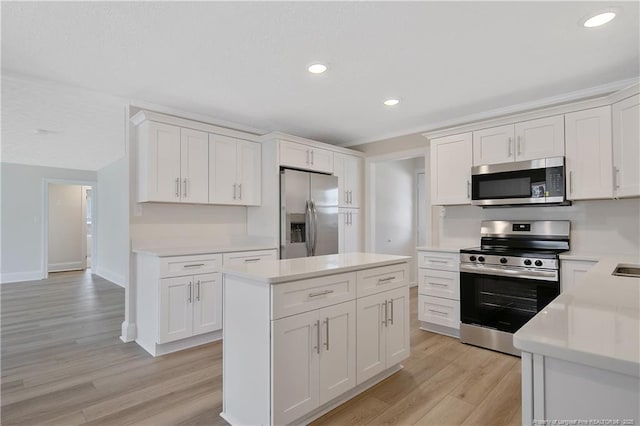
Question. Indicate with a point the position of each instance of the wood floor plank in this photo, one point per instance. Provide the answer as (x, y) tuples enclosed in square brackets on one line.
[(64, 364)]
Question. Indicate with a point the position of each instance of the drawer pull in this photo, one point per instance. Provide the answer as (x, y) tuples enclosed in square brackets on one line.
[(255, 259), (385, 280), (195, 265), (439, 284), (320, 293), (439, 312), (437, 261)]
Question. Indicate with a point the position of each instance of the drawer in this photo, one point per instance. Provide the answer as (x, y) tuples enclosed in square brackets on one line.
[(439, 260), (437, 310), (190, 265), (376, 280), (305, 295), (439, 283), (243, 257)]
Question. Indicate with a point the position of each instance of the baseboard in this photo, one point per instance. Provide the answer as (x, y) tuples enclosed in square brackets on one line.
[(109, 275), (440, 329), (13, 277), (156, 349), (65, 266)]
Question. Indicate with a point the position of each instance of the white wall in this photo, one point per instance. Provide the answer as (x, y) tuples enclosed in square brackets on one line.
[(112, 225), (597, 227), (395, 207), (21, 223), (67, 221)]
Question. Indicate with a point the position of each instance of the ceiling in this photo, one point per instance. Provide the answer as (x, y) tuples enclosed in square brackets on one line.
[(245, 62)]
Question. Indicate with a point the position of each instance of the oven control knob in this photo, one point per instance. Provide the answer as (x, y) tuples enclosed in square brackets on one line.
[(472, 258), (481, 259), (527, 262), (538, 262), (503, 260)]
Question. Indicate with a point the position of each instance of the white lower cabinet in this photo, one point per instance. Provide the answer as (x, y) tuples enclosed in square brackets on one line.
[(383, 332), (189, 306), (314, 359), (571, 271), (439, 292)]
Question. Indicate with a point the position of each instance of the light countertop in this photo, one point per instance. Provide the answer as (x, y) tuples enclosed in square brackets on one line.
[(185, 248), (279, 271), (441, 249), (597, 323)]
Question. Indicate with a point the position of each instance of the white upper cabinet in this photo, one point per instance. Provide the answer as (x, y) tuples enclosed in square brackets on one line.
[(234, 175), (540, 138), (300, 156), (451, 169), (172, 164), (494, 145), (588, 161), (528, 140), (349, 170), (194, 166), (626, 147)]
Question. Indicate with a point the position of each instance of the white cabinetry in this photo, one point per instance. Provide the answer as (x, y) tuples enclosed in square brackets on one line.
[(383, 331), (172, 164), (349, 231), (248, 257), (572, 271), (626, 147), (588, 162), (451, 169), (439, 292), (527, 140), (300, 156), (314, 359), (348, 168), (234, 177)]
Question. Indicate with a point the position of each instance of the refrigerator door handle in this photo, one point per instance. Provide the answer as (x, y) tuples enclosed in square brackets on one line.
[(307, 228), (315, 228)]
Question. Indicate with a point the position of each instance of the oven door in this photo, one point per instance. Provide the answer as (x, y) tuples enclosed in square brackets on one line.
[(506, 301)]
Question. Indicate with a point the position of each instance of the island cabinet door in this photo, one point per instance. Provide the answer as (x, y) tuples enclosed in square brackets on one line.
[(296, 352), (397, 341), (176, 309), (338, 350), (207, 303), (371, 348)]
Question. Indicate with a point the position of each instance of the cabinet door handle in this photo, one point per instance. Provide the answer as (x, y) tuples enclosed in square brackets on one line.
[(327, 326), (198, 290), (318, 335), (346, 197), (510, 141), (240, 191), (307, 156), (519, 146), (350, 197), (234, 191), (184, 181), (190, 290), (391, 317), (177, 187), (616, 178), (468, 189), (350, 218), (320, 293), (386, 313), (312, 157), (571, 182)]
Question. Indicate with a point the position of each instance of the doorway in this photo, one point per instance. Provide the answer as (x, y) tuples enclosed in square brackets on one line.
[(397, 204), (69, 214)]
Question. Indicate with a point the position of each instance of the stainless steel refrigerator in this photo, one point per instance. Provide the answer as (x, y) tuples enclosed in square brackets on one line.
[(308, 214)]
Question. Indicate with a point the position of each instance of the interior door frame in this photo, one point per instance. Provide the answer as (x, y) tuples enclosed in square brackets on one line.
[(369, 212), (44, 249)]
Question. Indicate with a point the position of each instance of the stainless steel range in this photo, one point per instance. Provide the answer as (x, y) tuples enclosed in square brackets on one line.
[(509, 279)]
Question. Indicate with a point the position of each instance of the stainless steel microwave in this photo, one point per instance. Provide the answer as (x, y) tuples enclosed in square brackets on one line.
[(533, 182)]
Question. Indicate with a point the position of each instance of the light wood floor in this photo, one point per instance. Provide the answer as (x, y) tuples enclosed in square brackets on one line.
[(63, 363)]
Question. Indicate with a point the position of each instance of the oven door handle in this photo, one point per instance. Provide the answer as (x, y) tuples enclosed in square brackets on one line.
[(505, 271)]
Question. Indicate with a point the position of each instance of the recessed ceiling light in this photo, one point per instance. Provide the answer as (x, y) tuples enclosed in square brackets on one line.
[(317, 68), (392, 102), (599, 19)]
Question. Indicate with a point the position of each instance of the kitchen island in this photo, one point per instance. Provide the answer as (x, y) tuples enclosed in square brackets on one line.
[(301, 336), (581, 354)]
